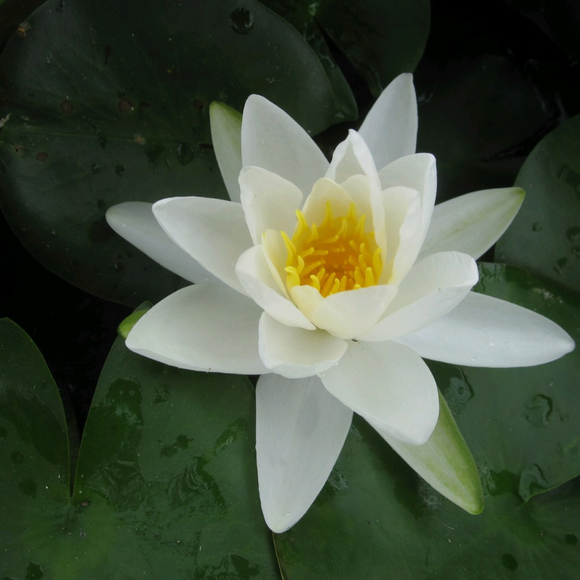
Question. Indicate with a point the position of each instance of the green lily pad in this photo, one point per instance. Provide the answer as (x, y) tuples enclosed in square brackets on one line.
[(166, 483), (476, 116), (125, 116), (375, 518), (381, 38), (545, 235)]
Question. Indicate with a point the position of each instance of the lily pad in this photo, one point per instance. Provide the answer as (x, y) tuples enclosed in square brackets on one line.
[(545, 235), (124, 116), (376, 518), (165, 485), (381, 38), (477, 116)]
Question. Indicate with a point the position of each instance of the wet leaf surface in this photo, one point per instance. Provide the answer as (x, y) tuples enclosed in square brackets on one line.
[(545, 236), (166, 480)]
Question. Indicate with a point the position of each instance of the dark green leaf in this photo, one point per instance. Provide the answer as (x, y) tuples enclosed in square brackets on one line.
[(475, 115), (166, 483), (545, 236), (124, 116), (382, 38), (375, 518)]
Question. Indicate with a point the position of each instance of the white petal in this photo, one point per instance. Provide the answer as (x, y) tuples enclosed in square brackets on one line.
[(403, 213), (269, 202), (135, 222), (487, 332), (390, 386), (212, 231), (344, 314), (300, 431), (390, 128), (325, 190), (418, 172), (472, 223), (433, 287), (352, 157), (273, 140), (445, 462), (296, 353), (256, 278), (226, 135), (206, 327)]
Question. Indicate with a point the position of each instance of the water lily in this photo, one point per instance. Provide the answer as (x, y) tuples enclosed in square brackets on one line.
[(333, 280)]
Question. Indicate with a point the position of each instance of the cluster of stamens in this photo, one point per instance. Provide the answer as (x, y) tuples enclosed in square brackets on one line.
[(332, 257)]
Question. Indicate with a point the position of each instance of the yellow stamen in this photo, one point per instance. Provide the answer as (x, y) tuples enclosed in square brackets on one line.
[(333, 256)]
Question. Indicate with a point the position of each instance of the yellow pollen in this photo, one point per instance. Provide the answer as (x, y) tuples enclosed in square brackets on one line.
[(333, 256)]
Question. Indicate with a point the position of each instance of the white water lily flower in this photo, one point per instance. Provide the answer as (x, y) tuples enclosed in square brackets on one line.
[(332, 281)]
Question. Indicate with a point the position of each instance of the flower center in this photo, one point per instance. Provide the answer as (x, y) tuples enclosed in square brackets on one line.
[(333, 256)]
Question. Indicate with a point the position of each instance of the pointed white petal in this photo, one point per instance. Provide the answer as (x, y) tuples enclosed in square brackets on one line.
[(344, 314), (206, 327), (226, 135), (418, 172), (273, 140), (256, 279), (487, 332), (135, 222), (390, 128), (390, 386), (352, 157), (433, 287), (472, 223), (300, 431), (444, 462), (212, 231), (296, 353), (269, 202)]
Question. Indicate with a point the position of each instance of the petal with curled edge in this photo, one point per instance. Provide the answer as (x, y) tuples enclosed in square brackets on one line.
[(390, 127), (134, 221), (483, 331), (206, 327), (271, 139), (300, 431), (296, 353), (212, 231), (390, 386)]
